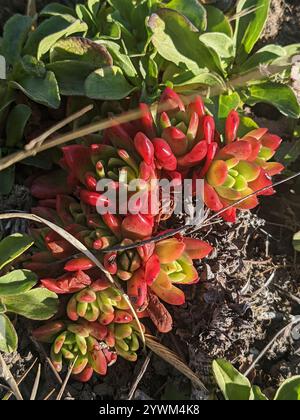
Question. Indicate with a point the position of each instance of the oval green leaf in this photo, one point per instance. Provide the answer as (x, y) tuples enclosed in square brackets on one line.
[(43, 90), (17, 282), (15, 33), (176, 41), (38, 304), (257, 395), (289, 390), (50, 31), (7, 180), (192, 9), (108, 84), (8, 335), (12, 247), (83, 50), (231, 382), (217, 21), (56, 9), (278, 95), (16, 123)]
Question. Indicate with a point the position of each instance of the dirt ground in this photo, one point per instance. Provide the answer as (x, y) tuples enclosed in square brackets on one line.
[(249, 290)]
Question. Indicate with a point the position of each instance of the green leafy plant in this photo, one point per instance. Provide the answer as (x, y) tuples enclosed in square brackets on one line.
[(110, 49), (17, 292), (235, 386)]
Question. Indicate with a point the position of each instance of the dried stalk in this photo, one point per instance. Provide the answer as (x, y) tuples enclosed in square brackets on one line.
[(36, 384), (174, 360), (140, 376), (31, 9), (37, 142), (5, 373), (22, 379), (63, 388)]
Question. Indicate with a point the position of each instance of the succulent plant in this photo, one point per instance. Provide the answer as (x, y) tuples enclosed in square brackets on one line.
[(180, 142), (240, 167), (91, 345), (81, 345)]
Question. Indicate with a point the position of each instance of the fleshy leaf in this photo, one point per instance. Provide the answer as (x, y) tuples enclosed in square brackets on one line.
[(250, 171), (217, 173), (211, 198), (164, 289), (169, 250), (197, 249)]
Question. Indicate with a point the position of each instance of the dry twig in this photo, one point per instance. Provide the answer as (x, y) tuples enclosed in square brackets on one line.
[(5, 373)]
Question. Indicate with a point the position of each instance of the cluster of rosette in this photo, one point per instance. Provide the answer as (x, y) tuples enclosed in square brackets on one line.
[(240, 171), (180, 142)]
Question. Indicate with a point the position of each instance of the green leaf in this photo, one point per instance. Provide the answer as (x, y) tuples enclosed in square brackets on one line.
[(85, 15), (228, 103), (123, 8), (291, 50), (289, 390), (217, 21), (81, 49), (16, 123), (73, 60), (93, 6), (192, 9), (190, 81), (108, 84), (71, 76), (37, 304), (50, 31), (44, 91), (8, 335), (111, 30), (17, 282), (7, 97), (7, 180), (15, 33), (280, 96), (296, 241), (177, 42), (138, 17), (257, 394), (119, 59), (54, 9), (40, 85), (234, 385), (263, 56), (221, 43), (12, 247), (250, 26), (246, 125)]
